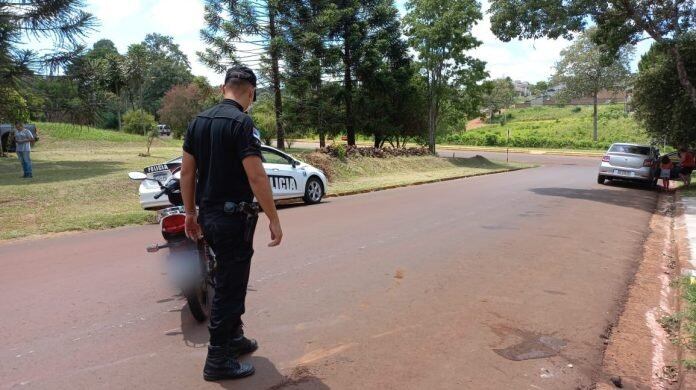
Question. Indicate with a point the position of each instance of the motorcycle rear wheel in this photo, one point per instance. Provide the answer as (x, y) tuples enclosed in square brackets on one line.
[(200, 298)]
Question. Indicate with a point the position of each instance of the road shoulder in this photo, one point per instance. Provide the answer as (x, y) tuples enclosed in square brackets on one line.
[(639, 352)]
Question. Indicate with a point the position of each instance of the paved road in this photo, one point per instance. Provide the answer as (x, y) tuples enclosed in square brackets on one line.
[(493, 282)]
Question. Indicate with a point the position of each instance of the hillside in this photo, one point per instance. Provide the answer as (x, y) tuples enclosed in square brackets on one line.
[(555, 127)]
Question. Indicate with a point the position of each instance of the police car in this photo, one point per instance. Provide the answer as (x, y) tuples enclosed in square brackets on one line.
[(289, 177)]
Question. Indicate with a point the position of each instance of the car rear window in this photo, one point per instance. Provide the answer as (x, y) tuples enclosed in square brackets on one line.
[(644, 150)]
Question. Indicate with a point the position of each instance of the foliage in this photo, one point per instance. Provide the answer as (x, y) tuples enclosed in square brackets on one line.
[(661, 104), (342, 151), (253, 24), (586, 68), (263, 114), (311, 103), (60, 21), (138, 122), (557, 128), (440, 32), (180, 105), (13, 107), (540, 88), (618, 23), (498, 94), (166, 66)]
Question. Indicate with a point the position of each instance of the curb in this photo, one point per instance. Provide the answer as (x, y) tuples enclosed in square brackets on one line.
[(417, 183), (687, 267), (525, 151)]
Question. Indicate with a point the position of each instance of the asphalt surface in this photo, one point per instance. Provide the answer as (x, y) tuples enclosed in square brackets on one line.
[(504, 281)]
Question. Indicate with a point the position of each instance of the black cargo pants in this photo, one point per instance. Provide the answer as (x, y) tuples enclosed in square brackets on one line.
[(229, 237)]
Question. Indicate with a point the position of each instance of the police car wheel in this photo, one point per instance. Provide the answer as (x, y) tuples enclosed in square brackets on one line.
[(314, 191)]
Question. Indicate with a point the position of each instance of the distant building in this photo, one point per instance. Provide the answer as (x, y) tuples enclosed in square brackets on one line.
[(522, 88)]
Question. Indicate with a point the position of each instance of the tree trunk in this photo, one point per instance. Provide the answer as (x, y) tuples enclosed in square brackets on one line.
[(322, 139), (348, 81), (377, 140), (275, 76), (594, 116), (683, 75)]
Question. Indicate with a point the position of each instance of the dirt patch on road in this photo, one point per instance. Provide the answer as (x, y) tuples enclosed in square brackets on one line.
[(639, 353)]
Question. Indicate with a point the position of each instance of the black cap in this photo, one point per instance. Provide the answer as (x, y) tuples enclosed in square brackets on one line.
[(241, 72)]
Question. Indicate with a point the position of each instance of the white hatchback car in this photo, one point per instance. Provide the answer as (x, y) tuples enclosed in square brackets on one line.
[(289, 177)]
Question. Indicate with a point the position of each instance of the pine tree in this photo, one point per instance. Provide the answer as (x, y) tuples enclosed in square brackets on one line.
[(246, 31), (358, 31), (61, 21)]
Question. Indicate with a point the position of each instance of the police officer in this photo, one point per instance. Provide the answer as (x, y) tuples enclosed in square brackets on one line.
[(223, 150)]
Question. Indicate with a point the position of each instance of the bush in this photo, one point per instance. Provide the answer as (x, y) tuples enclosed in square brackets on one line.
[(342, 151), (576, 109), (138, 122), (321, 161)]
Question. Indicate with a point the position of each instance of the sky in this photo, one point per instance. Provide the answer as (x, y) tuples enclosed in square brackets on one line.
[(128, 21)]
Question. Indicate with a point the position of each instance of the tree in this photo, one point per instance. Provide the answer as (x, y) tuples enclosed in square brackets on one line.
[(252, 25), (264, 117), (60, 21), (498, 94), (311, 104), (619, 22), (181, 104), (167, 66), (540, 88), (138, 122), (660, 102), (440, 32), (585, 69), (367, 34)]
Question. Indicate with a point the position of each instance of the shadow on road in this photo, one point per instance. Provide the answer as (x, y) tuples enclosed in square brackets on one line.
[(195, 333), (268, 377), (642, 200), (291, 204)]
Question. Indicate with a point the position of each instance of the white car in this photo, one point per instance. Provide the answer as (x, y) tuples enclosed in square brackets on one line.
[(289, 177)]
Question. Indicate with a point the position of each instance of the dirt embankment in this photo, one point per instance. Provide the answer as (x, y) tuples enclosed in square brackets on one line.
[(639, 352)]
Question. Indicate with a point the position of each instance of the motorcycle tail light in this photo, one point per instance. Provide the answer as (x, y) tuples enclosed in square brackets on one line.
[(174, 224), (606, 158)]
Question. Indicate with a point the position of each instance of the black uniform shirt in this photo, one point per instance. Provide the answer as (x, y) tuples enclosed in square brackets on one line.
[(219, 139)]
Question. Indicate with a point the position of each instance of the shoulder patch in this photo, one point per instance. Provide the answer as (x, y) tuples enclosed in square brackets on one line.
[(257, 134)]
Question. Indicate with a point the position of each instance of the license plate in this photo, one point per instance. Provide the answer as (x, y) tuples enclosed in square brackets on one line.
[(161, 176), (622, 173), (156, 168)]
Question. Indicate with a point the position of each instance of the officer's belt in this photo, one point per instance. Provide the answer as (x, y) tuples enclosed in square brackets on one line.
[(248, 208)]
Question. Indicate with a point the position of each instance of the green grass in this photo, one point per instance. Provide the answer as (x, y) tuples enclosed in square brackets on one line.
[(367, 174), (554, 127), (81, 183)]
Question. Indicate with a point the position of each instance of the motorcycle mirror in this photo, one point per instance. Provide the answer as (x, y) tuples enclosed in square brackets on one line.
[(137, 176)]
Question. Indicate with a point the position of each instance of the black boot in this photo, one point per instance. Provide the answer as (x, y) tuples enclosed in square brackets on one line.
[(219, 365), (241, 345)]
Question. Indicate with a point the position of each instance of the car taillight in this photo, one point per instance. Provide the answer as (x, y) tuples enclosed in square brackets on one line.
[(174, 224), (606, 158), (648, 162)]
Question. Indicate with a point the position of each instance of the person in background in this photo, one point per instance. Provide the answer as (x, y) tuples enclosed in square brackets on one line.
[(23, 140), (666, 167), (687, 164)]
